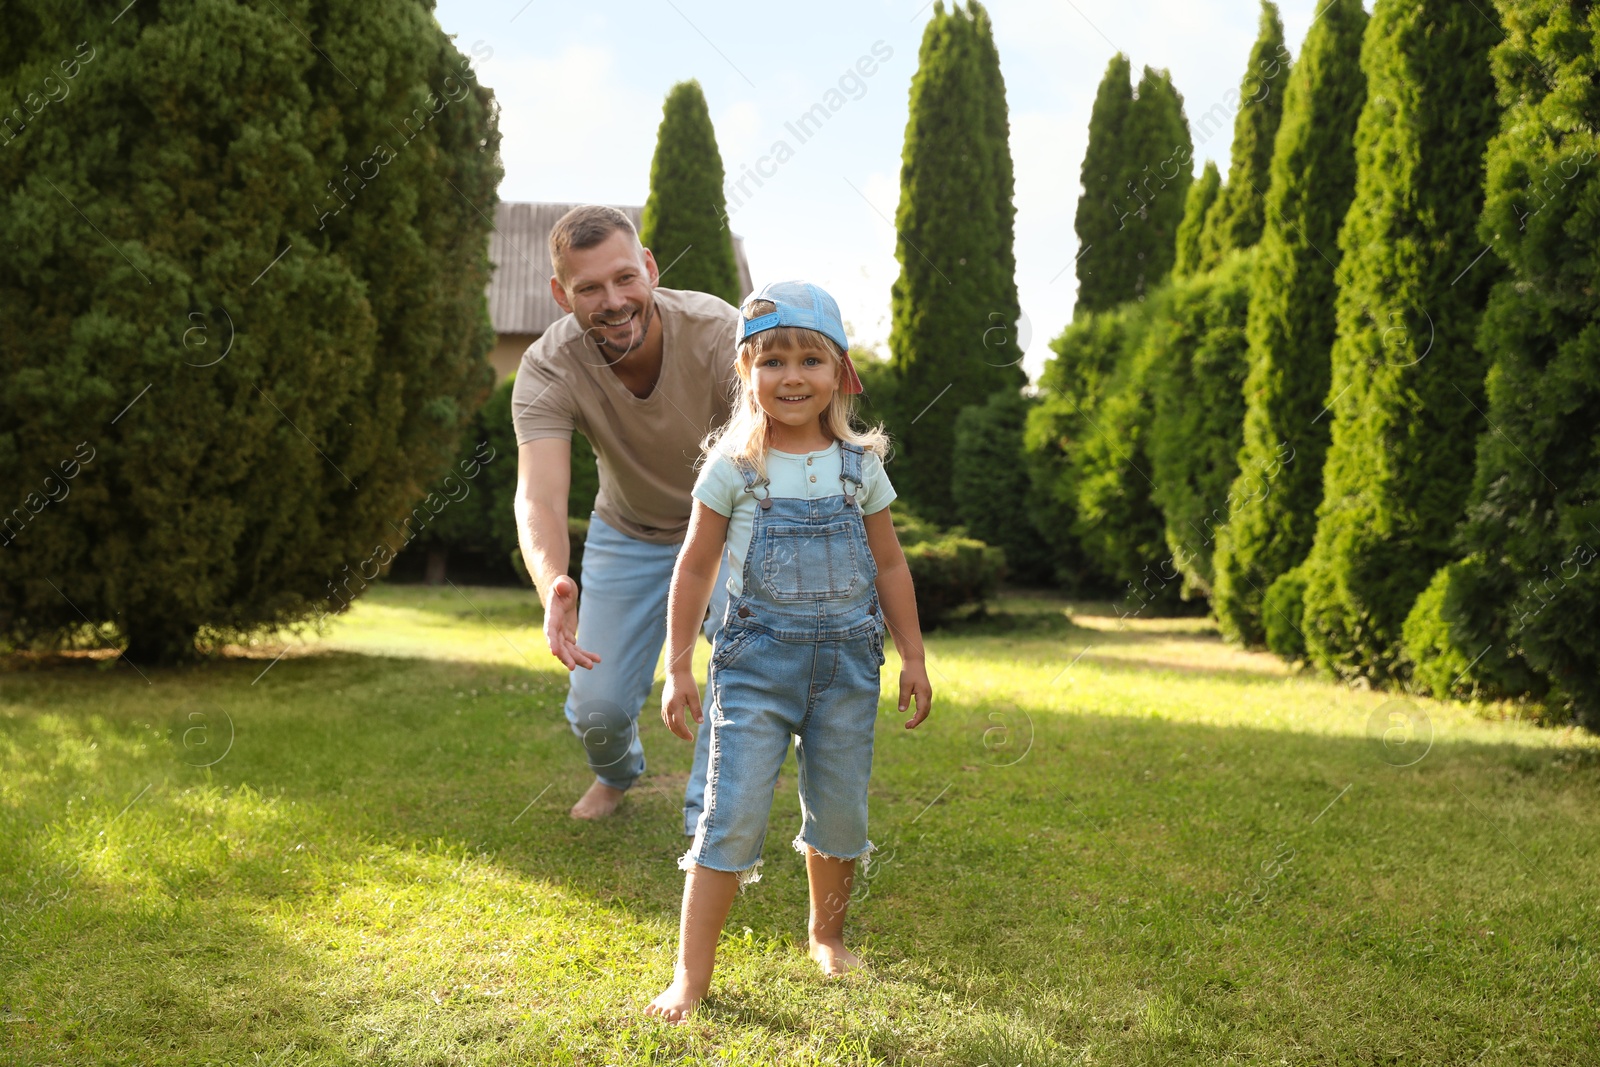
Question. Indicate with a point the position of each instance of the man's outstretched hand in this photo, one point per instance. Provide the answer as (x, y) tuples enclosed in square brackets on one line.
[(561, 625)]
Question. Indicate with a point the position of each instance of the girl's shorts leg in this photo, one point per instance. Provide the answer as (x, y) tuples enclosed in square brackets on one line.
[(835, 751), (751, 718)]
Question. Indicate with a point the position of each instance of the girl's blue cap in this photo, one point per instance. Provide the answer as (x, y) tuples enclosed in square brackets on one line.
[(809, 307)]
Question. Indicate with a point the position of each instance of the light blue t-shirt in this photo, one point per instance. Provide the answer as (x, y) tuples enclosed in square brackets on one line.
[(809, 475)]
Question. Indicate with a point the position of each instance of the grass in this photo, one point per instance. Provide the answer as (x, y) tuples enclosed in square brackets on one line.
[(1115, 842)]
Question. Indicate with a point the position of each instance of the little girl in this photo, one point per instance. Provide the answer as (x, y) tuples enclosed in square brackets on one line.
[(800, 499)]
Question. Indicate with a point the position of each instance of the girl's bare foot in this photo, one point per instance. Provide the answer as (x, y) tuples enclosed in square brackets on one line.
[(676, 1001), (601, 800), (833, 957)]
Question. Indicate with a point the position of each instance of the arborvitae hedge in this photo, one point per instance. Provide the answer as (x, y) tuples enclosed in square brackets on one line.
[(1522, 610), (242, 312), (1235, 220), (683, 222), (989, 484), (1407, 381), (952, 285), (1198, 363), (1292, 322), (1202, 194)]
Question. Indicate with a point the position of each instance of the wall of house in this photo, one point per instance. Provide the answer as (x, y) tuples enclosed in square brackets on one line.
[(507, 353)]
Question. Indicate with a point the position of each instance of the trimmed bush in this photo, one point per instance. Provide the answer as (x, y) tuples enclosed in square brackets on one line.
[(948, 569), (245, 268)]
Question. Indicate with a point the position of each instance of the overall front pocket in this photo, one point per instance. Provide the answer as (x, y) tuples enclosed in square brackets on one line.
[(810, 562)]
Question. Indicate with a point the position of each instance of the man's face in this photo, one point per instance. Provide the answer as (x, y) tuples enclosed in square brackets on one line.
[(610, 288)]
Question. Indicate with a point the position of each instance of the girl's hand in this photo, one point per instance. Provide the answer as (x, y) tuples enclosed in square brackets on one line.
[(680, 693), (914, 685)]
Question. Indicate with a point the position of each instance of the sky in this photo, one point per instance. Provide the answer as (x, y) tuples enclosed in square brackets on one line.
[(581, 86)]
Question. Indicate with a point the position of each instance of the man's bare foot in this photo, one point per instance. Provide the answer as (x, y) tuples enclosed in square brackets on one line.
[(676, 1001), (833, 957), (601, 800)]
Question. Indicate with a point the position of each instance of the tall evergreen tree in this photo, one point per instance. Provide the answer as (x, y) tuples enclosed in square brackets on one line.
[(1235, 219), (241, 302), (1001, 341), (1407, 377), (1202, 194), (1526, 598), (1162, 154), (1105, 277), (682, 224), (1291, 322), (952, 284)]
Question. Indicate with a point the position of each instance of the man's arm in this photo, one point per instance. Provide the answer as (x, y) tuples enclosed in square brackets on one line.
[(544, 475)]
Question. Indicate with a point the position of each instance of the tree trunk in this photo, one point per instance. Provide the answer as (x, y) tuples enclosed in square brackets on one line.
[(438, 557)]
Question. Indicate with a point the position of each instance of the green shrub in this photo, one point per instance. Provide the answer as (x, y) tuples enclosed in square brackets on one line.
[(475, 539), (1455, 641), (949, 569), (952, 572), (989, 484), (1198, 364), (1282, 613), (1534, 511), (1091, 358), (248, 273)]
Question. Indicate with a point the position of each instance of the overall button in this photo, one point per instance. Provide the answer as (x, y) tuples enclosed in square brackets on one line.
[(808, 461), (813, 477)]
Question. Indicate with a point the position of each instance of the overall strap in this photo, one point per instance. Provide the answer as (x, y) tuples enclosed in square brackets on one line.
[(850, 456), (751, 484)]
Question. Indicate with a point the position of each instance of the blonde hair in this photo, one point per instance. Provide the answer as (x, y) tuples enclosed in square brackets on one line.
[(747, 434)]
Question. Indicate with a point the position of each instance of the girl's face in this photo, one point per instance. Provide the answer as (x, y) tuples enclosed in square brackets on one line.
[(794, 385)]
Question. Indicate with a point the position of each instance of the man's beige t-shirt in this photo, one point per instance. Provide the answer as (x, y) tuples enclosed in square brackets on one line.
[(647, 448)]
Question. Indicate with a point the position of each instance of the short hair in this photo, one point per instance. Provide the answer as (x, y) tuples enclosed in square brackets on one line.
[(584, 227)]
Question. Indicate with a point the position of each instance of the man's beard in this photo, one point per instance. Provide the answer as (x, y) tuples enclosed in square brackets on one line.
[(637, 332)]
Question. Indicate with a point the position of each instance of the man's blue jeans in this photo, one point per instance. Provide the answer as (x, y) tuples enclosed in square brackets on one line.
[(622, 617)]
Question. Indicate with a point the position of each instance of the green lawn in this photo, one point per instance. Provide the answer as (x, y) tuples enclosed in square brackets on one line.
[(1115, 842)]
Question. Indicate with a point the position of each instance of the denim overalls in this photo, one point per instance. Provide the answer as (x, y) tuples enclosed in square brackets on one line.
[(798, 655)]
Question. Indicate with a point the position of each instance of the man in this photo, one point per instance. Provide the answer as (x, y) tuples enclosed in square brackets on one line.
[(644, 373)]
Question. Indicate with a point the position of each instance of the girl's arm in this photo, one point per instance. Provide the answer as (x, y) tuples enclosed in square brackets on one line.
[(693, 577), (899, 602)]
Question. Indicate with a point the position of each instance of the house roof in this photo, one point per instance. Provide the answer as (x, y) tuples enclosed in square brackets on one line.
[(519, 249)]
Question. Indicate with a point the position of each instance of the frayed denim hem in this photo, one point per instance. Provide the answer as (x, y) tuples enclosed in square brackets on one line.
[(804, 847), (750, 874)]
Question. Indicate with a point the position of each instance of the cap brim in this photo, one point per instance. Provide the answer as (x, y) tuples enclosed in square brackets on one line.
[(852, 380)]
